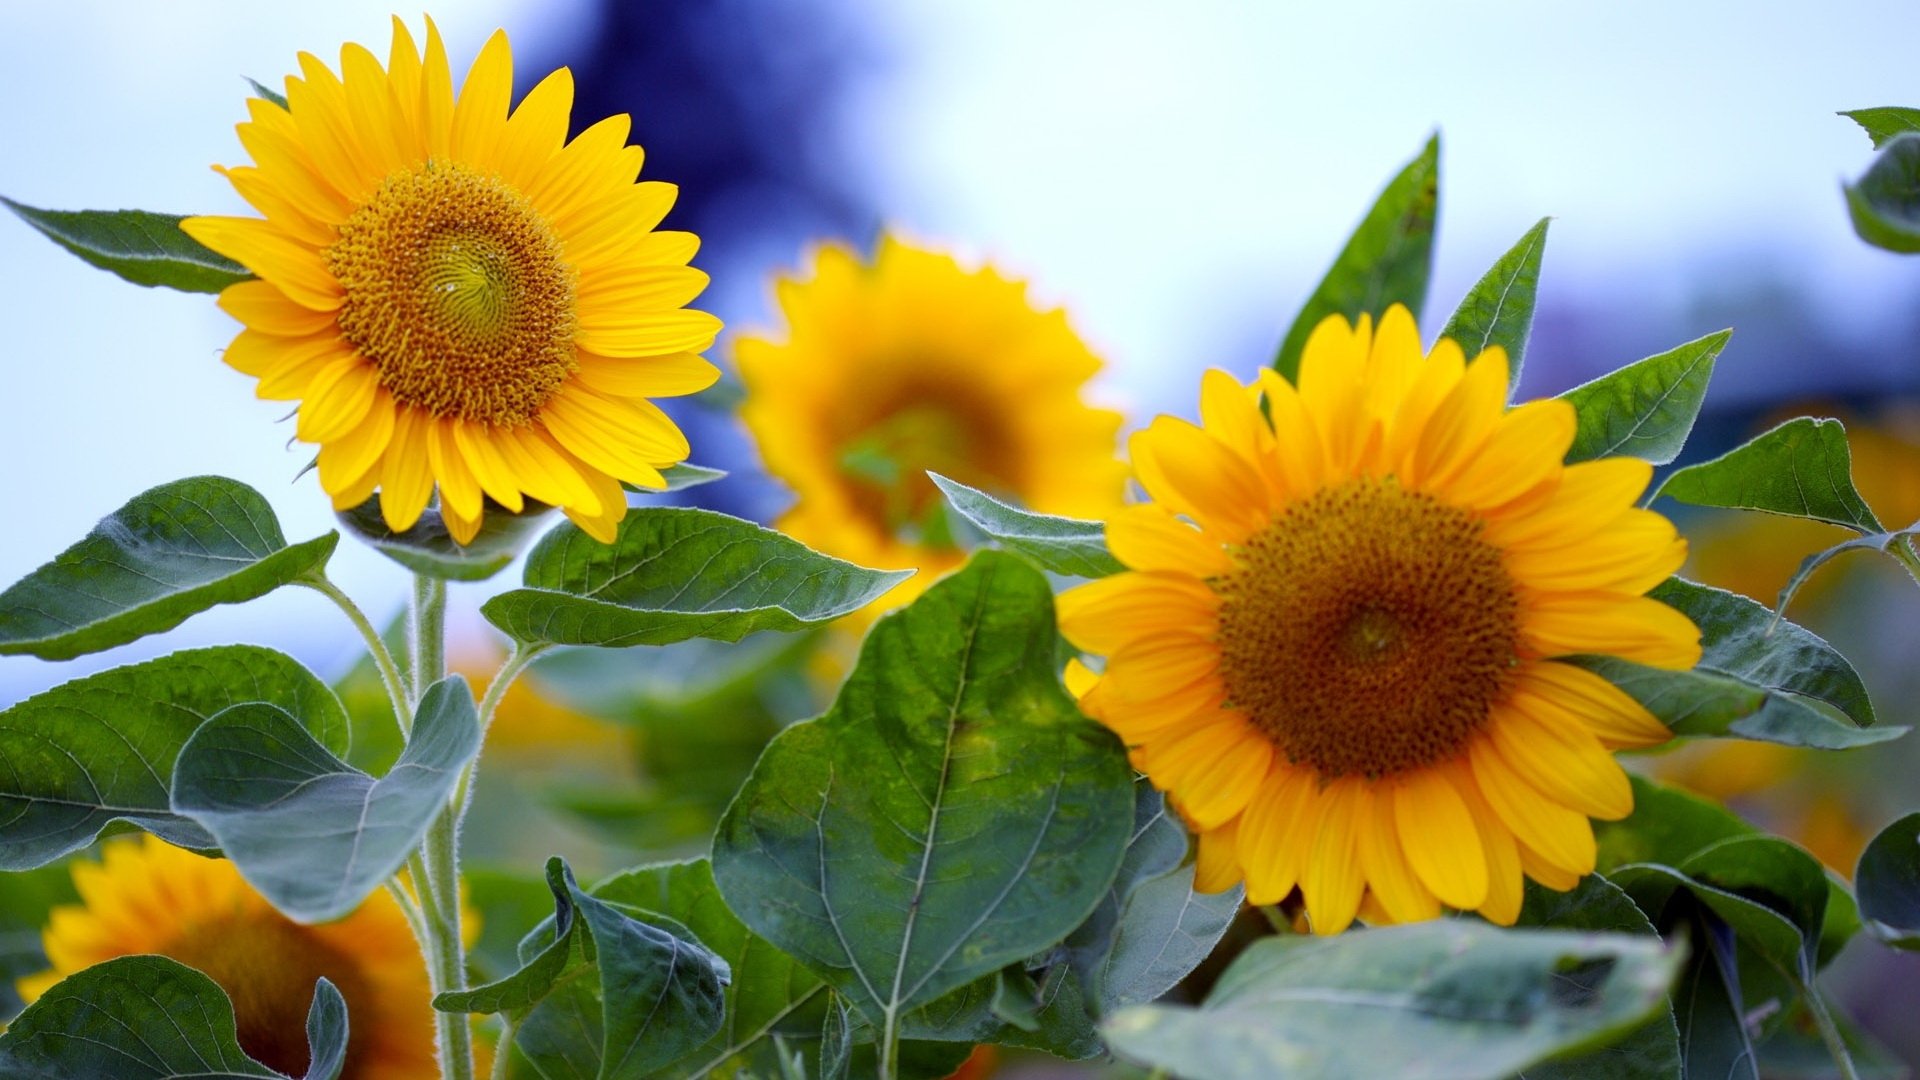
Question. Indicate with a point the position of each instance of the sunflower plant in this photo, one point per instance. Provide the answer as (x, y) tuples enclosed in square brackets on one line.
[(1306, 760)]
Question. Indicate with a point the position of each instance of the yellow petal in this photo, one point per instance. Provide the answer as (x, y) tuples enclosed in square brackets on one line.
[(622, 438), (480, 115), (1590, 495), (1216, 868), (1277, 830), (1383, 859), (337, 399), (1439, 837), (488, 464), (1215, 769), (406, 478), (348, 459), (1393, 362), (1460, 426), (647, 333), (459, 491), (297, 269), (1331, 368), (264, 308), (1104, 616), (1526, 449), (669, 375), (1636, 551), (543, 471), (536, 130), (1562, 836), (1617, 719), (1185, 469), (1506, 881), (1331, 882), (1551, 751), (616, 225), (1146, 537), (1633, 627), (1161, 666)]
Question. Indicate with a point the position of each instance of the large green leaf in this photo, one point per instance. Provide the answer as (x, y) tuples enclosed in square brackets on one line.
[(1498, 310), (1452, 998), (675, 573), (1062, 545), (1708, 1003), (170, 553), (312, 833), (102, 749), (428, 548), (1772, 893), (142, 247), (151, 1018), (1387, 261), (1888, 880), (563, 949), (1885, 203), (1152, 927), (1884, 123), (951, 814), (1011, 1008), (1800, 469), (1646, 409)]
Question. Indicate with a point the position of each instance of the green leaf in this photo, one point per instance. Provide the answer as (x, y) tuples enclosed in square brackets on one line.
[(675, 573), (1800, 469), (1770, 892), (151, 1018), (1708, 1002), (1498, 310), (428, 548), (681, 477), (312, 833), (1062, 545), (1882, 542), (951, 814), (1885, 122), (1151, 927), (267, 93), (535, 979), (142, 247), (1009, 1009), (170, 553), (98, 750), (1885, 204), (1451, 998), (1387, 261), (836, 1040), (1888, 882), (1647, 408)]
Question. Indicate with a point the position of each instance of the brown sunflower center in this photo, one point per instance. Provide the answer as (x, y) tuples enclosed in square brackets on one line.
[(268, 965), (457, 292), (931, 430), (1368, 629)]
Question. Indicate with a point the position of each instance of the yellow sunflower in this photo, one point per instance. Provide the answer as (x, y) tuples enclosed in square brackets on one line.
[(459, 298), (146, 897), (1335, 646), (915, 363)]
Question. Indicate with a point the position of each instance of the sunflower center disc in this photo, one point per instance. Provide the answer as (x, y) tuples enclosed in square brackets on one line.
[(268, 965), (1368, 629), (457, 292)]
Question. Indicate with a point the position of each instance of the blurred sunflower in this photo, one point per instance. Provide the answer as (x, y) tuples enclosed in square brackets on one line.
[(912, 364), (458, 298), (147, 897), (1335, 645), (1792, 791)]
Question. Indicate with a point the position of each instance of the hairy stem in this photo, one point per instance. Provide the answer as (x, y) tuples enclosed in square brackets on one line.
[(1830, 1033), (436, 867), (397, 690)]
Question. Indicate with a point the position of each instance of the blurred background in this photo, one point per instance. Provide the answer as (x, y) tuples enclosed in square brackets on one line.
[(1177, 176)]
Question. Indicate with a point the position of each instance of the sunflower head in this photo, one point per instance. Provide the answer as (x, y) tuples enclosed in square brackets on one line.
[(462, 301), (913, 363), (1339, 645)]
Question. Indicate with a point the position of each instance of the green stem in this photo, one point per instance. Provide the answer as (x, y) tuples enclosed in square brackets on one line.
[(503, 1050), (889, 1048), (1903, 552), (518, 661), (396, 686), (1830, 1033), (429, 637), (436, 867)]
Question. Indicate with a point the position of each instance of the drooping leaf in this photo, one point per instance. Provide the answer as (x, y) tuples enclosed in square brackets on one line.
[(1883, 123), (1888, 882), (676, 573), (1062, 545), (951, 814), (1800, 469), (142, 247), (428, 548), (1387, 261), (1152, 927), (312, 833), (1498, 310), (536, 978), (102, 749), (1882, 542), (151, 1018), (1885, 203), (1450, 999), (170, 553), (1647, 408)]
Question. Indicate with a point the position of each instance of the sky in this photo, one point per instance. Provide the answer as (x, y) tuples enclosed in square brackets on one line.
[(1178, 176)]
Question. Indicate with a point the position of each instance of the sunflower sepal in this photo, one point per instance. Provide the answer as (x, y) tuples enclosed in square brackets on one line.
[(160, 1013), (674, 573), (1062, 545), (429, 547), (1888, 881), (1498, 310), (139, 246), (171, 552), (1390, 1000), (1646, 409)]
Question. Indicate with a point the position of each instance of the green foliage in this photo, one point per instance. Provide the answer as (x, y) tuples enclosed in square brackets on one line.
[(312, 833), (681, 477), (150, 1018), (142, 247), (1062, 545), (1646, 409), (25, 903), (1885, 123), (102, 749), (1885, 203), (1800, 469), (428, 548), (1387, 261), (170, 553), (1498, 310), (951, 814), (675, 573), (1452, 998), (1888, 879)]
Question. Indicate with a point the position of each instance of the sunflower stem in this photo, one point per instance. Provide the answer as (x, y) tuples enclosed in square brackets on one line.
[(503, 1050), (518, 661), (390, 677), (1830, 1033)]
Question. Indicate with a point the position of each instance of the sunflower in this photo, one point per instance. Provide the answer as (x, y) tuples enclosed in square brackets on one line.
[(145, 896), (910, 364), (1337, 643), (458, 298)]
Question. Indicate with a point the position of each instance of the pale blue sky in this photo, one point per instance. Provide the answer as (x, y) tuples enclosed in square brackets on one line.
[(1177, 174)]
